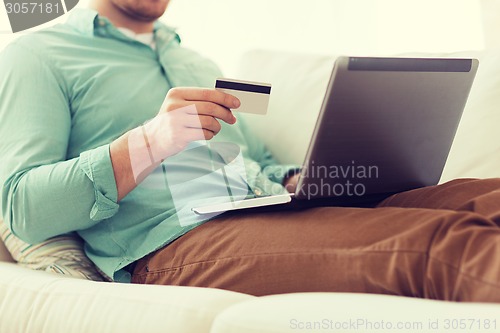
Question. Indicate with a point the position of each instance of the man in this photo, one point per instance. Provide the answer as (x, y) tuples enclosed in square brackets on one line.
[(91, 144)]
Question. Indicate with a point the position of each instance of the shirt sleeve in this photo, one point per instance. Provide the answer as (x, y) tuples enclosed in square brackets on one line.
[(42, 193)]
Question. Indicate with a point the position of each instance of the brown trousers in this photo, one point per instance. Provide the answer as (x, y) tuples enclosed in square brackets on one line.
[(440, 242)]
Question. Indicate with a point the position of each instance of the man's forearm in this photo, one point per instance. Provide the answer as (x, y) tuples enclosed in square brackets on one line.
[(120, 158), (129, 166), (138, 152)]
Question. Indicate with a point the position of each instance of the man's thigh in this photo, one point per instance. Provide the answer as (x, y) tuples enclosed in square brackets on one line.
[(384, 250), (481, 196)]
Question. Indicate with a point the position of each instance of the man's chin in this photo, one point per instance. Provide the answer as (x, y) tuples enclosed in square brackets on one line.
[(146, 18), (144, 12), (146, 15)]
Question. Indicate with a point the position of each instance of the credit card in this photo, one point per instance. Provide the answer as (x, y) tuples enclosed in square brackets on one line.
[(254, 96)]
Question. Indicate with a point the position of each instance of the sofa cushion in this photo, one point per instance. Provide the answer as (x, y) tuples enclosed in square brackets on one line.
[(33, 301), (344, 312), (61, 255), (476, 149), (299, 84)]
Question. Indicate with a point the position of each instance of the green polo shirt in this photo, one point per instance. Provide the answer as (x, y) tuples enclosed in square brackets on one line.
[(65, 94)]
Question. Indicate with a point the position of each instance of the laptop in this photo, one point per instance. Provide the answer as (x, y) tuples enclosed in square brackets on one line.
[(386, 126)]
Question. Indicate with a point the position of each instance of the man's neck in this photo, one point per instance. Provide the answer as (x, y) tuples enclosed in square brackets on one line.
[(119, 18)]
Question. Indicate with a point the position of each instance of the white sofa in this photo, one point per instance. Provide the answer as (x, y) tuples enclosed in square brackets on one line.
[(32, 301)]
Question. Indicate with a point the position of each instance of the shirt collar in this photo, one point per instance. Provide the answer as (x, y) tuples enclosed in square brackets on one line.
[(83, 20), (86, 21)]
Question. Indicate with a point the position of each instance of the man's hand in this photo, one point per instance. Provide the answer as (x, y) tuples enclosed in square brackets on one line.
[(290, 183), (189, 114)]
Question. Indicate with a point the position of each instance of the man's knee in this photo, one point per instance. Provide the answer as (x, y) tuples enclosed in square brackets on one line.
[(464, 250)]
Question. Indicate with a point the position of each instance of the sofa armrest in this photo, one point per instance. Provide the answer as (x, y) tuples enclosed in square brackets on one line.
[(42, 302), (345, 312)]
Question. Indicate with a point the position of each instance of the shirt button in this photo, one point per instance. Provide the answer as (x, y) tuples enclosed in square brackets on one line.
[(257, 191)]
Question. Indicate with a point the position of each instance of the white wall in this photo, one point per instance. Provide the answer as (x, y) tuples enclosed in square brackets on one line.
[(491, 23), (224, 29)]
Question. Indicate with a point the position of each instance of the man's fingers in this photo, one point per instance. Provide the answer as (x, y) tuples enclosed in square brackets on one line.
[(203, 122), (214, 110), (206, 95), (195, 134), (202, 108)]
